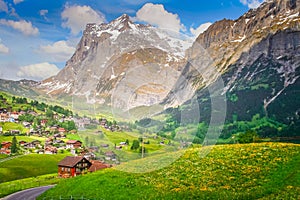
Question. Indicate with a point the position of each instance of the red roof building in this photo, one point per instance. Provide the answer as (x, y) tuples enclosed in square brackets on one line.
[(5, 145), (97, 165), (5, 151), (62, 130), (72, 166)]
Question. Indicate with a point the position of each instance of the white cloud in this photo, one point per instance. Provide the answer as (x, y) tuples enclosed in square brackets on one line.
[(38, 71), (18, 1), (13, 12), (3, 6), (23, 26), (3, 48), (60, 51), (252, 3), (76, 17), (43, 12), (200, 29), (156, 15)]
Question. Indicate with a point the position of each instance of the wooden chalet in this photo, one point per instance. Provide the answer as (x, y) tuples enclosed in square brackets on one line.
[(62, 130), (6, 145), (44, 122), (4, 117), (22, 142), (50, 150), (98, 165), (72, 166), (73, 144), (110, 155), (14, 132), (5, 151)]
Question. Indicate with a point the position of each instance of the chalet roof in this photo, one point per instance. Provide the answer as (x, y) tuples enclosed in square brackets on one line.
[(72, 141), (104, 145), (71, 161), (58, 141), (3, 143), (97, 165), (110, 153)]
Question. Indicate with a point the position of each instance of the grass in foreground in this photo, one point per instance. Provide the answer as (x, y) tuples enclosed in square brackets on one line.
[(23, 184), (252, 171), (31, 165)]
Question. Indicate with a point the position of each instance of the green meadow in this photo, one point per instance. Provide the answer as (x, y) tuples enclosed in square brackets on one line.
[(26, 166), (249, 171)]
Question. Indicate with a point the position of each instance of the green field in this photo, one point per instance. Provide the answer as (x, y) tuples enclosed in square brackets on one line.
[(250, 171), (7, 126), (3, 156), (31, 165), (23, 184), (22, 138), (114, 138)]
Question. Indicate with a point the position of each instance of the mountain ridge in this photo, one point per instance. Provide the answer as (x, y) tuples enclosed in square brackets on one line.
[(224, 42), (126, 65)]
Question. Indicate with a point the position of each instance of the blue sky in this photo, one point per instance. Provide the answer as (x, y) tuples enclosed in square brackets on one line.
[(37, 37)]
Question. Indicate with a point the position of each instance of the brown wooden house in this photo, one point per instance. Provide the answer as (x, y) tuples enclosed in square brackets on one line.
[(6, 145), (98, 165), (73, 144), (72, 166)]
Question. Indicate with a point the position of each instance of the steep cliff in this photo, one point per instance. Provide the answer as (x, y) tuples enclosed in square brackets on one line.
[(229, 47)]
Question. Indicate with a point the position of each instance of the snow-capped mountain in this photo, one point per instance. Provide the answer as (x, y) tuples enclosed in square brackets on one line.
[(143, 59)]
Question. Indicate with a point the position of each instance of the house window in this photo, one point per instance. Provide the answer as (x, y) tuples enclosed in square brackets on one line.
[(62, 169), (69, 169)]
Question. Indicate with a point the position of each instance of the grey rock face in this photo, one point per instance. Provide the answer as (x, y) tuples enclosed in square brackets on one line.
[(228, 42)]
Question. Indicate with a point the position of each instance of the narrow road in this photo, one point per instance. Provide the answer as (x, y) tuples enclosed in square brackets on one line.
[(29, 194), (10, 158)]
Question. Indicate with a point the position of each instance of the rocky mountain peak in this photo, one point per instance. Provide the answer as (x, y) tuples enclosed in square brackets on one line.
[(122, 23), (115, 27), (111, 55), (226, 39)]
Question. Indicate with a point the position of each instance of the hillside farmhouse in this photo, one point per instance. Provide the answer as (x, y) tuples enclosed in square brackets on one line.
[(72, 166)]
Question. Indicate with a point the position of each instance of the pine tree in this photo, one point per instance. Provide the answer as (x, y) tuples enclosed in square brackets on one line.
[(135, 145), (14, 148)]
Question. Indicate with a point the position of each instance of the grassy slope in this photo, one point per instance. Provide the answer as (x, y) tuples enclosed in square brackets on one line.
[(7, 126), (113, 138), (21, 138), (23, 184), (252, 171), (29, 166)]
